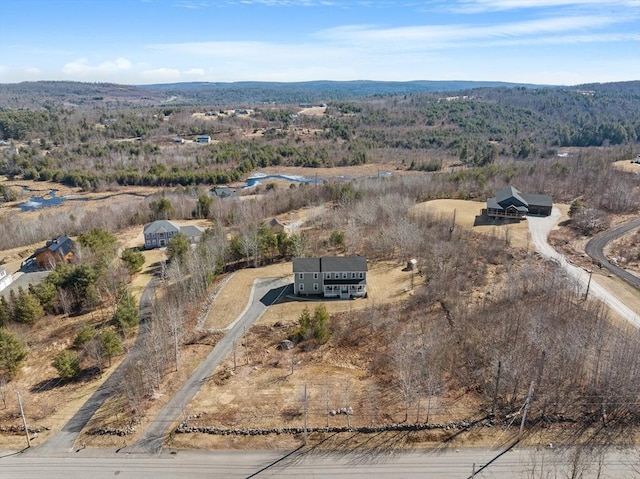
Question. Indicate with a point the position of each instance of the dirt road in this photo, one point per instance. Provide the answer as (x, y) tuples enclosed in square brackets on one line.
[(64, 440), (540, 228)]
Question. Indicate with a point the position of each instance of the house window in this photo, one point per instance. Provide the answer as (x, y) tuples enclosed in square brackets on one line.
[(353, 275), (336, 275), (361, 275), (315, 286), (315, 275), (300, 275), (344, 275), (301, 287)]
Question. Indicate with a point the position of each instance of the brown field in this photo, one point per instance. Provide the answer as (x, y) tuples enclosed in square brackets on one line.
[(626, 165), (386, 282), (313, 111), (466, 213)]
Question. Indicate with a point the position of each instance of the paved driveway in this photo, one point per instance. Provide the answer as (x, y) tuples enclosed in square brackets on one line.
[(264, 293)]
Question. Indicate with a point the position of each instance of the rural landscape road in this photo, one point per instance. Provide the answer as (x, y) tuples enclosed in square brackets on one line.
[(540, 228), (595, 249), (448, 463), (63, 440), (264, 293)]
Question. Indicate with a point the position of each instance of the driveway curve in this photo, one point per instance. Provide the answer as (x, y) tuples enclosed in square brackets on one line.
[(540, 228), (595, 249), (265, 292)]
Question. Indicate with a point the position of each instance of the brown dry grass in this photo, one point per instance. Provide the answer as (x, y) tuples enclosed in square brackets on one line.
[(113, 412), (386, 282), (264, 391), (465, 216), (49, 402), (626, 165), (95, 200), (313, 111)]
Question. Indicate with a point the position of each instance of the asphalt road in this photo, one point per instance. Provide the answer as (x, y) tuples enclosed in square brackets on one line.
[(446, 463), (264, 293), (539, 228), (595, 249), (64, 440)]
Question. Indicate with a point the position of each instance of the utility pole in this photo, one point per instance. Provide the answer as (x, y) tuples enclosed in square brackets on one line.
[(586, 294), (495, 393), (246, 345), (234, 355), (24, 420), (306, 410), (526, 409)]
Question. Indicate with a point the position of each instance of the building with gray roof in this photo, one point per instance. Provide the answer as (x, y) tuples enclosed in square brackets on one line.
[(331, 276), (158, 233), (510, 202)]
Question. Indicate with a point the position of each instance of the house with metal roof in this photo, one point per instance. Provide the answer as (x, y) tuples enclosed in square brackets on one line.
[(158, 233), (510, 202), (330, 276), (57, 250)]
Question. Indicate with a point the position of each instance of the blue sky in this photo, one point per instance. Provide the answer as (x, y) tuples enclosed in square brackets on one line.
[(160, 41)]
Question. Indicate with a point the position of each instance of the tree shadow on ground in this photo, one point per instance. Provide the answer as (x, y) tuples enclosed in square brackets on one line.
[(86, 375)]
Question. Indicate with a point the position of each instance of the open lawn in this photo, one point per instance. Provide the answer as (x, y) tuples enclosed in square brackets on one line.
[(467, 215), (626, 165), (386, 282)]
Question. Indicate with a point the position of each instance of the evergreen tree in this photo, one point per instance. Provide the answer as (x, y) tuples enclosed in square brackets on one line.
[(177, 248), (27, 309), (133, 260), (111, 344), (12, 353), (67, 363)]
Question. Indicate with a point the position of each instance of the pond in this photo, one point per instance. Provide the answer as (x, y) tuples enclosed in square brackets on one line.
[(39, 202), (259, 177)]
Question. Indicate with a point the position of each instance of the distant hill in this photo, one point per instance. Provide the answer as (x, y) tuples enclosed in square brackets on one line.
[(78, 94), (36, 95)]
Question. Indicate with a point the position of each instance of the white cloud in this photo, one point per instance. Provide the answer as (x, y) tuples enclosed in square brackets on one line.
[(477, 6), (82, 68), (430, 37), (193, 5), (161, 75), (195, 72)]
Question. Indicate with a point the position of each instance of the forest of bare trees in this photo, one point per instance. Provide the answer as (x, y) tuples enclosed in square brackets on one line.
[(494, 320)]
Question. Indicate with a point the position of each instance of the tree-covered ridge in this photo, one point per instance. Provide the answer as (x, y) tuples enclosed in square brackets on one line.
[(133, 146), (36, 94)]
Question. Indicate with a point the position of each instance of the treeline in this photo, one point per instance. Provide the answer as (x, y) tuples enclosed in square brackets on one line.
[(478, 127)]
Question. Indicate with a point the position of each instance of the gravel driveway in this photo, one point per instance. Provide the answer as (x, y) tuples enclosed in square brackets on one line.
[(540, 228)]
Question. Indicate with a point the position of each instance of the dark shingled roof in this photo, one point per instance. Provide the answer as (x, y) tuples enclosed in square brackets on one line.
[(508, 193), (329, 264), (503, 197), (538, 200), (306, 265), (343, 263)]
